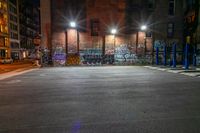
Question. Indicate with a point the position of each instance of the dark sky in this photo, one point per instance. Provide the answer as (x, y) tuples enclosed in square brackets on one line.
[(37, 2)]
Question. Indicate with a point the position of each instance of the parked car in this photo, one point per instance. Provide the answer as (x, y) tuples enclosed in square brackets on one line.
[(6, 60)]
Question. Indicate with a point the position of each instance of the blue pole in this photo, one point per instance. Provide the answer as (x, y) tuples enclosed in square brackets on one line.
[(194, 57), (174, 55), (186, 56), (165, 55), (157, 55)]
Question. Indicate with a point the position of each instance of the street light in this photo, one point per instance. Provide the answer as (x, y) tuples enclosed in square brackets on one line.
[(143, 27), (113, 31), (72, 24)]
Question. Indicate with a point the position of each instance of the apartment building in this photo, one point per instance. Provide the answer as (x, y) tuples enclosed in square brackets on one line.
[(4, 30)]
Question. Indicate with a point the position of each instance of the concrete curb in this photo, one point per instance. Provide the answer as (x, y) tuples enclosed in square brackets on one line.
[(192, 73)]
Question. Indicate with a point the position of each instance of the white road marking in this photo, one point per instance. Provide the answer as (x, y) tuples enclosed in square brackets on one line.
[(14, 73), (175, 71), (13, 81)]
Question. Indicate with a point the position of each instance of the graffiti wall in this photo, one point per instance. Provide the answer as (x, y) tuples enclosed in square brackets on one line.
[(91, 56), (73, 60), (124, 55), (58, 51)]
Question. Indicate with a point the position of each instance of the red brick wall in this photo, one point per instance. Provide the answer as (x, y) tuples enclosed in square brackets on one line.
[(109, 13)]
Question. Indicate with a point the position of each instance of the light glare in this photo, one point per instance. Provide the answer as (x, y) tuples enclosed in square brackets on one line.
[(143, 27), (113, 31), (73, 24)]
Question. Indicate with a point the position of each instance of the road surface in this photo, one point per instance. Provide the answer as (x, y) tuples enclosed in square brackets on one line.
[(119, 99)]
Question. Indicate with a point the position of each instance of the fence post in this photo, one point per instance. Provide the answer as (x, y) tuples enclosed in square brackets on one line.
[(174, 55), (165, 55), (186, 56), (157, 55)]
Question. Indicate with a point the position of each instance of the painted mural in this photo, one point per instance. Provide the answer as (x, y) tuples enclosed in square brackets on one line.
[(59, 56), (73, 60), (124, 55), (91, 56)]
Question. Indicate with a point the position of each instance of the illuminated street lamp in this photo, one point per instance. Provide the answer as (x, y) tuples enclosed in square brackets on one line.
[(143, 28), (72, 24), (113, 31)]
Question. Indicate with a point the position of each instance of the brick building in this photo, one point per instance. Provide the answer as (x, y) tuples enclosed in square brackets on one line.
[(14, 29), (4, 30), (29, 19), (91, 40), (192, 27)]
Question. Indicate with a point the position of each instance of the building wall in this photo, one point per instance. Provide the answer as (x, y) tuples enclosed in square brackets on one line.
[(98, 17), (45, 23), (29, 26), (14, 30), (161, 19), (4, 30)]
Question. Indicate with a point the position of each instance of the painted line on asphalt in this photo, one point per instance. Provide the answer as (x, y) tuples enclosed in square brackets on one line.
[(15, 73), (175, 71)]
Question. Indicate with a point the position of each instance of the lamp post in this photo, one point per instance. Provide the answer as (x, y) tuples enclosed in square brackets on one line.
[(144, 28), (72, 31), (114, 32), (73, 25)]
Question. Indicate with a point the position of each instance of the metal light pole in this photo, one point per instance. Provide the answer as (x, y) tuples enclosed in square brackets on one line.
[(114, 32), (144, 28)]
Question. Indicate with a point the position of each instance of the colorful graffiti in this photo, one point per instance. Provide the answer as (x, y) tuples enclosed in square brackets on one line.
[(91, 56), (124, 54), (59, 56), (73, 59)]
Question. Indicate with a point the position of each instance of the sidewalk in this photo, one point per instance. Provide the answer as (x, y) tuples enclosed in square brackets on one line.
[(9, 70), (193, 72)]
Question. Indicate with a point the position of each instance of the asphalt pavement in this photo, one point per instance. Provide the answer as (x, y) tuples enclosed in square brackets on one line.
[(112, 99)]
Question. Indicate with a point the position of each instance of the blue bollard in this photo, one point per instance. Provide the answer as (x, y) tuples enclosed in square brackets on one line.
[(165, 56), (186, 56), (157, 55), (194, 57), (174, 55)]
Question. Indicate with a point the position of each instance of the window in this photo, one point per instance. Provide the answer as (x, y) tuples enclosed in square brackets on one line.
[(151, 4), (171, 7), (13, 2), (170, 29), (95, 27)]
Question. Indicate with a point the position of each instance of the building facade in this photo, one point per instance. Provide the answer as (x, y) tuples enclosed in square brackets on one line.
[(29, 19), (91, 40), (4, 30), (14, 30), (192, 28)]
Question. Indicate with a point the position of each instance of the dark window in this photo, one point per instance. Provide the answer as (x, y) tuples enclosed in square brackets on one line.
[(13, 2), (151, 4), (95, 27), (171, 7)]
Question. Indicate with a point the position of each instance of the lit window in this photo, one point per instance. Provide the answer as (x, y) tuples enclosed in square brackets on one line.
[(170, 29)]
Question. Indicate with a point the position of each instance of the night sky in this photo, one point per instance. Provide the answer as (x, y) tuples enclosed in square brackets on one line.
[(37, 2)]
